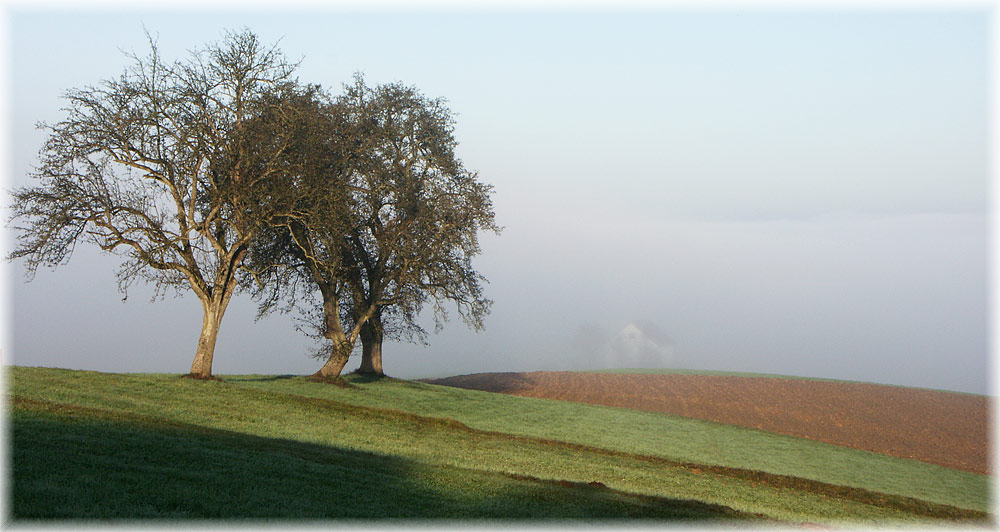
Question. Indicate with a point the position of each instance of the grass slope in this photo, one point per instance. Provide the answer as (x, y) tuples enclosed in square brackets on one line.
[(661, 435), (86, 444), (147, 468)]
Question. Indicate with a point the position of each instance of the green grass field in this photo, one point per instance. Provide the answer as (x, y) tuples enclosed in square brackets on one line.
[(93, 445)]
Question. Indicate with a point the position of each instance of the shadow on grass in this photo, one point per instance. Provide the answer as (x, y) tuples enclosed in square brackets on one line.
[(270, 378), (70, 465), (509, 383), (366, 378)]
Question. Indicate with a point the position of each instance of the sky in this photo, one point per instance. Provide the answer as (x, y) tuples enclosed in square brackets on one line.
[(803, 192)]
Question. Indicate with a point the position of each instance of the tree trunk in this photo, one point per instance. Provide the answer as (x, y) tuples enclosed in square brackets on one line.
[(339, 354), (343, 342), (212, 319), (213, 304), (371, 347), (342, 345)]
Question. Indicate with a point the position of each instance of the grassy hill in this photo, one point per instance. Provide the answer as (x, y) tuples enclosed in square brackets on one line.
[(86, 444), (942, 428)]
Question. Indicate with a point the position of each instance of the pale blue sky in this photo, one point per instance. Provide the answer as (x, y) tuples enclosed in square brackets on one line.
[(800, 193)]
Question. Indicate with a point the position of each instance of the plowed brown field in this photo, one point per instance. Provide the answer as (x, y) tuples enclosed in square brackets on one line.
[(941, 428)]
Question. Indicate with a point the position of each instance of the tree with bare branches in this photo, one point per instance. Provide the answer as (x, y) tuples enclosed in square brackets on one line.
[(299, 262), (173, 166), (417, 213), (392, 227)]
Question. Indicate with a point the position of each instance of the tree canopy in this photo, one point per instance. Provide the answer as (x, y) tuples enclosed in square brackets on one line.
[(392, 227), (171, 166), (418, 217), (222, 173)]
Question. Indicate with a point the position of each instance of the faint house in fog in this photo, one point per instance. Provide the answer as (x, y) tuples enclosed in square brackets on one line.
[(639, 345)]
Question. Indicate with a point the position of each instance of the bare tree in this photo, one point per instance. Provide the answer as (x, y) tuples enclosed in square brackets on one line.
[(175, 167), (300, 260), (417, 215), (388, 225)]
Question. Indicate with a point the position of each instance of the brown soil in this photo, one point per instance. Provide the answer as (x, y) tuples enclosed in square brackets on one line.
[(943, 428)]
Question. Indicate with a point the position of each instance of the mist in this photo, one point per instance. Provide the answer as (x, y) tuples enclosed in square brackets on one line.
[(897, 300), (775, 192)]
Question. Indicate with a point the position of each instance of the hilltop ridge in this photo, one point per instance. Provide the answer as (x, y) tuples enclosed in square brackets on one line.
[(938, 427)]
